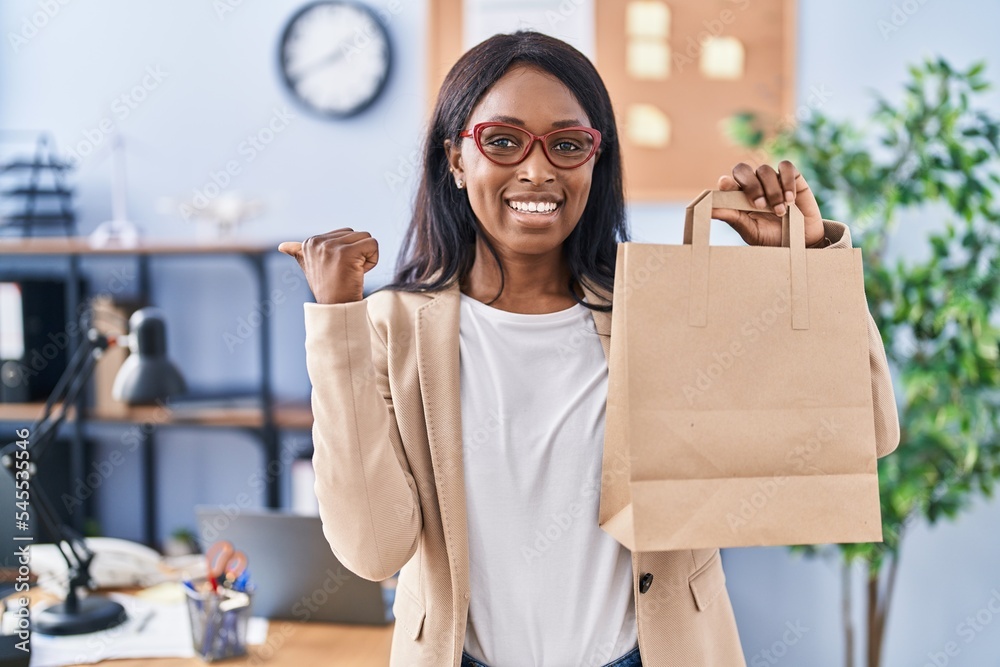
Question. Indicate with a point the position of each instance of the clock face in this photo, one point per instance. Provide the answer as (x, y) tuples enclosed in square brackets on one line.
[(335, 57)]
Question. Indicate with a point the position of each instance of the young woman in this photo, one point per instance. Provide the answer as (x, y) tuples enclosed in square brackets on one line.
[(459, 412)]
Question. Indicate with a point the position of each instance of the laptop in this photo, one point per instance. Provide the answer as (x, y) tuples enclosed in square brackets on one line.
[(292, 568)]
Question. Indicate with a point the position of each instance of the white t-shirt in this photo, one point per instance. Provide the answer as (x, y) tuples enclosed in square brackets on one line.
[(548, 587)]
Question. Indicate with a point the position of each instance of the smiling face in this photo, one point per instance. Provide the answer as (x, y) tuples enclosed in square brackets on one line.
[(527, 209)]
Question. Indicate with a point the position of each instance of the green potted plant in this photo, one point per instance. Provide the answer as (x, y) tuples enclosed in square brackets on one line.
[(938, 309)]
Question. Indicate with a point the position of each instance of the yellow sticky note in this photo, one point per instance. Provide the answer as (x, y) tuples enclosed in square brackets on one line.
[(647, 59), (647, 125), (722, 58), (646, 18)]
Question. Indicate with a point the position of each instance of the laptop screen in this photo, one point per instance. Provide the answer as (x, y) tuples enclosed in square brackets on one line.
[(293, 571)]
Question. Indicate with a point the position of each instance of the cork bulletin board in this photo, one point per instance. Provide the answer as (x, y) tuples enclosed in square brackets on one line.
[(675, 70)]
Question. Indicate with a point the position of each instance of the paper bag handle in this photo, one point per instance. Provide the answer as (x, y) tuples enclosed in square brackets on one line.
[(697, 223)]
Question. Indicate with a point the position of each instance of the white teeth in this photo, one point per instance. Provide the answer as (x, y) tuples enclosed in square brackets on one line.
[(533, 207)]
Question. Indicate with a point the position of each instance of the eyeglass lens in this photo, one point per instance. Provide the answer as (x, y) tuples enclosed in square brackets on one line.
[(508, 145)]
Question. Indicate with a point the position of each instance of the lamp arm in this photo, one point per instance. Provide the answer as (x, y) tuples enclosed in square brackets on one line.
[(66, 392), (46, 423), (70, 543), (62, 385), (57, 530), (96, 344)]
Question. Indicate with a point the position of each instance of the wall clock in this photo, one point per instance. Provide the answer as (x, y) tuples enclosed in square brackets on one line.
[(335, 57)]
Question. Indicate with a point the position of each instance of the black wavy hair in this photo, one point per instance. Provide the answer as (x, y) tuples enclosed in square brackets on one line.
[(439, 245)]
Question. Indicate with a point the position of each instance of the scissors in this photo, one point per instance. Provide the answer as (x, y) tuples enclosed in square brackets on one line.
[(225, 564)]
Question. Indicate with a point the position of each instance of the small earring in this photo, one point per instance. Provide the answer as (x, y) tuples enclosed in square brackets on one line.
[(460, 184)]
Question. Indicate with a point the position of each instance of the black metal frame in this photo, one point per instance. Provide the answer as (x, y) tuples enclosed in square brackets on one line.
[(30, 218), (267, 433)]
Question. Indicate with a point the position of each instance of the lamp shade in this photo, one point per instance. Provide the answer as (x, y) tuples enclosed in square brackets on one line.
[(147, 376)]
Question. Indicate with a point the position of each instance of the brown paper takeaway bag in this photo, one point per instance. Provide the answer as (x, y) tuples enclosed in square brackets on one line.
[(739, 402)]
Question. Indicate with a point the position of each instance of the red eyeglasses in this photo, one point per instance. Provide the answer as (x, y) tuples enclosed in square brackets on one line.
[(508, 145)]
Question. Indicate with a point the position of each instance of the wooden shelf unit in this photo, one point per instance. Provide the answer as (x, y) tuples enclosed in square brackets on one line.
[(265, 418)]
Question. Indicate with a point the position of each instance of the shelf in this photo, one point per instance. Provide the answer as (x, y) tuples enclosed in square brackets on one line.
[(286, 415), (36, 218), (36, 192), (21, 412), (81, 246), (293, 416), (35, 165)]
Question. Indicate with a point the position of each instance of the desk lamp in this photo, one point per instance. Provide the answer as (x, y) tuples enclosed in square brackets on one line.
[(146, 377)]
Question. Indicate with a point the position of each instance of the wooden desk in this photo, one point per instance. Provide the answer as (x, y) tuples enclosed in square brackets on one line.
[(289, 644), (294, 644)]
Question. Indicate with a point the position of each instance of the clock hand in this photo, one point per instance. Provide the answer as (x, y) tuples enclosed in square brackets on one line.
[(331, 57)]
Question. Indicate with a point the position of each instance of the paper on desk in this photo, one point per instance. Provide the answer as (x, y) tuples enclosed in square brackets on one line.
[(164, 634)]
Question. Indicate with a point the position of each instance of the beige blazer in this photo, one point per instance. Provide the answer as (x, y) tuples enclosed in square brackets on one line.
[(390, 483)]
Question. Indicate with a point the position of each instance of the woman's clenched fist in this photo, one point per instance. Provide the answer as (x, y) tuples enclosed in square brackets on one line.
[(335, 263)]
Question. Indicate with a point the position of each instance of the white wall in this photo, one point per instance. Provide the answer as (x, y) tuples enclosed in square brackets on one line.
[(221, 84)]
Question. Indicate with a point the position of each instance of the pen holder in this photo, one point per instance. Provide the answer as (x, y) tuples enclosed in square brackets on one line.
[(218, 622)]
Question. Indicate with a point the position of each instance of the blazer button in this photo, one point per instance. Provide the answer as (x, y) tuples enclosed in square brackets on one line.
[(645, 582)]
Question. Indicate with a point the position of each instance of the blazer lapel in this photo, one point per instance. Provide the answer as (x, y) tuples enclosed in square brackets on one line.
[(602, 320), (438, 371)]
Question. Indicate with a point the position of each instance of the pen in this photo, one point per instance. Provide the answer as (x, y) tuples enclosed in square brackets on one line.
[(145, 621), (209, 639), (241, 581)]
